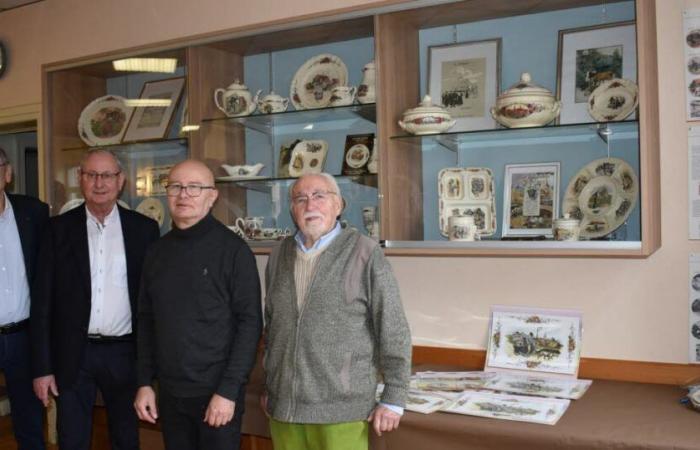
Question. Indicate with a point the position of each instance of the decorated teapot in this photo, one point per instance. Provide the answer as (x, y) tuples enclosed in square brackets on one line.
[(366, 92), (235, 100), (273, 103)]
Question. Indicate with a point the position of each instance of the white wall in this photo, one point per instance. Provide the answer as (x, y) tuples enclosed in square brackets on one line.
[(633, 309)]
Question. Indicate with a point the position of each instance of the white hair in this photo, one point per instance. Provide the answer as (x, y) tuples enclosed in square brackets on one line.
[(330, 179)]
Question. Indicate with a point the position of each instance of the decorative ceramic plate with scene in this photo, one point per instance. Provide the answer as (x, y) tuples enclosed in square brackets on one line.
[(613, 100), (520, 408), (153, 208), (315, 79), (601, 195), (104, 121), (308, 157), (534, 340), (467, 191)]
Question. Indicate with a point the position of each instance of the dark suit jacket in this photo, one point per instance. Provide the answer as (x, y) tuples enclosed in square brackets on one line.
[(62, 291), (31, 216)]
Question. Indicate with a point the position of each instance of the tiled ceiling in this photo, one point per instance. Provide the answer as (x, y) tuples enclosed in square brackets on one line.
[(9, 4)]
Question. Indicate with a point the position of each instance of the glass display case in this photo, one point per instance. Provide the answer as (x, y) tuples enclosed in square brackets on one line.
[(255, 108)]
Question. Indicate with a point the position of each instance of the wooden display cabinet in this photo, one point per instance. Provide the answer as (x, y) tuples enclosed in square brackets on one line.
[(215, 61)]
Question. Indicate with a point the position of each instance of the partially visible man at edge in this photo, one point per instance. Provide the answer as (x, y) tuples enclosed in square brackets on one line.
[(200, 320), (22, 220), (333, 323), (86, 288)]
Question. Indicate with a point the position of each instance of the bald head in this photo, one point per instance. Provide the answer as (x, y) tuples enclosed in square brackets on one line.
[(195, 194)]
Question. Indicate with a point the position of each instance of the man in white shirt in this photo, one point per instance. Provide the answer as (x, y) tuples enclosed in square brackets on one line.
[(21, 220), (85, 301)]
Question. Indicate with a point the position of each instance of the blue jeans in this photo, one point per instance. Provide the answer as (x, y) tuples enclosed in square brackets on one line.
[(27, 410)]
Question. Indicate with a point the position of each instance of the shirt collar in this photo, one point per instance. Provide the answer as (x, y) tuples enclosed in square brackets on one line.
[(8, 208), (113, 214), (323, 241)]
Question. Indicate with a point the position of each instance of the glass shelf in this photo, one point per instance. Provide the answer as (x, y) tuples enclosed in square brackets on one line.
[(266, 184), (135, 146), (266, 122), (501, 137)]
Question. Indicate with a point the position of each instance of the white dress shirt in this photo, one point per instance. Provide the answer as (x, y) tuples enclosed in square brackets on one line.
[(14, 288), (110, 314)]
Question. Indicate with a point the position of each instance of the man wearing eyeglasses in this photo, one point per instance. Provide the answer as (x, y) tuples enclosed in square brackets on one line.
[(22, 220), (84, 305), (200, 320), (333, 323)]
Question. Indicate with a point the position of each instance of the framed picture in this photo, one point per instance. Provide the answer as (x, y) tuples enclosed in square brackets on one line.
[(465, 79), (358, 150), (589, 56), (155, 179), (153, 122), (530, 199)]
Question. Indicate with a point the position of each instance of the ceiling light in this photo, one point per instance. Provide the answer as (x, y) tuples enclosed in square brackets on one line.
[(162, 65), (144, 102), (309, 126), (187, 128)]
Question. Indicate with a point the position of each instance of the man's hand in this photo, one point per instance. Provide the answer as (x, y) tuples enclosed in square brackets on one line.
[(383, 419), (220, 411), (43, 386), (263, 403), (145, 404)]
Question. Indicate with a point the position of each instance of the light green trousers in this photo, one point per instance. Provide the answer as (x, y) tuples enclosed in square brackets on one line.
[(332, 436)]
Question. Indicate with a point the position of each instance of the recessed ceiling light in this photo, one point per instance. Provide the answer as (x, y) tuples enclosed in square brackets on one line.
[(162, 65)]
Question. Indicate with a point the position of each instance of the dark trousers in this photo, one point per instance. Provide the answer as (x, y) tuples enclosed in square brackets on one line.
[(109, 366), (27, 410), (182, 422)]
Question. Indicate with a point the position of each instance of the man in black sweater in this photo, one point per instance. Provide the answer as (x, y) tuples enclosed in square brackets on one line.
[(199, 320)]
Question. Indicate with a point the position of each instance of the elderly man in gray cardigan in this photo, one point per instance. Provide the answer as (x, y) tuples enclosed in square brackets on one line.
[(334, 328)]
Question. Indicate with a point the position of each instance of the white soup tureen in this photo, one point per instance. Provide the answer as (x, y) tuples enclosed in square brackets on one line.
[(426, 118), (525, 104)]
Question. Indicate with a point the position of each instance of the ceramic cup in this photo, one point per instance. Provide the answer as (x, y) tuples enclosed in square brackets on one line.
[(342, 95), (461, 228), (567, 229)]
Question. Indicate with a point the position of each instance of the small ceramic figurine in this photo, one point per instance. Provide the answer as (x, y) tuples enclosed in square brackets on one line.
[(235, 100)]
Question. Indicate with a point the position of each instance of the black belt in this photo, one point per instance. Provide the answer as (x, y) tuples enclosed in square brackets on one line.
[(99, 338), (14, 327)]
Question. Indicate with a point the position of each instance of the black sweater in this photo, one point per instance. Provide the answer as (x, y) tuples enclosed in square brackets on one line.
[(199, 314)]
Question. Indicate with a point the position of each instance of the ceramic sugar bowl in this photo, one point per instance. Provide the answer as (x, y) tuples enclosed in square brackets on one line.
[(566, 228), (273, 103), (343, 95), (525, 104), (236, 100), (426, 118)]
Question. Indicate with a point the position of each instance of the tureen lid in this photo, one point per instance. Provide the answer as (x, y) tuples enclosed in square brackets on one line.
[(526, 87), (426, 107), (237, 85), (567, 220)]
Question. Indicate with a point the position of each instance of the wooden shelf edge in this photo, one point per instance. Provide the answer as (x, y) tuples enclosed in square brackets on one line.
[(514, 253), (592, 368)]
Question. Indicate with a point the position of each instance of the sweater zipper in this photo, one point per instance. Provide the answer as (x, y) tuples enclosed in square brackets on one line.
[(292, 403)]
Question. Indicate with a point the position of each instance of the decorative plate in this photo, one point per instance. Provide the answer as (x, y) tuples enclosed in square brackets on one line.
[(74, 203), (104, 121), (467, 191), (315, 79), (357, 156), (601, 195), (613, 100), (308, 157), (153, 208)]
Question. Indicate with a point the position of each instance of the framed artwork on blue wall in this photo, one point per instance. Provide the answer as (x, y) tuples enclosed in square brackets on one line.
[(530, 199), (589, 56), (465, 79)]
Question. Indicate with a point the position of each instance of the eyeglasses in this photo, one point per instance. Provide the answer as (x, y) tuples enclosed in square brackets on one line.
[(107, 177), (318, 196), (193, 190)]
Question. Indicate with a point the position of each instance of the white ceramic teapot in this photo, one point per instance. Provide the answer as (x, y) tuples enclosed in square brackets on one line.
[(273, 103), (235, 100), (366, 92)]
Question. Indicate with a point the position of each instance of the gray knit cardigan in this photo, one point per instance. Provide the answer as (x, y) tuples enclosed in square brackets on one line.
[(323, 362)]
